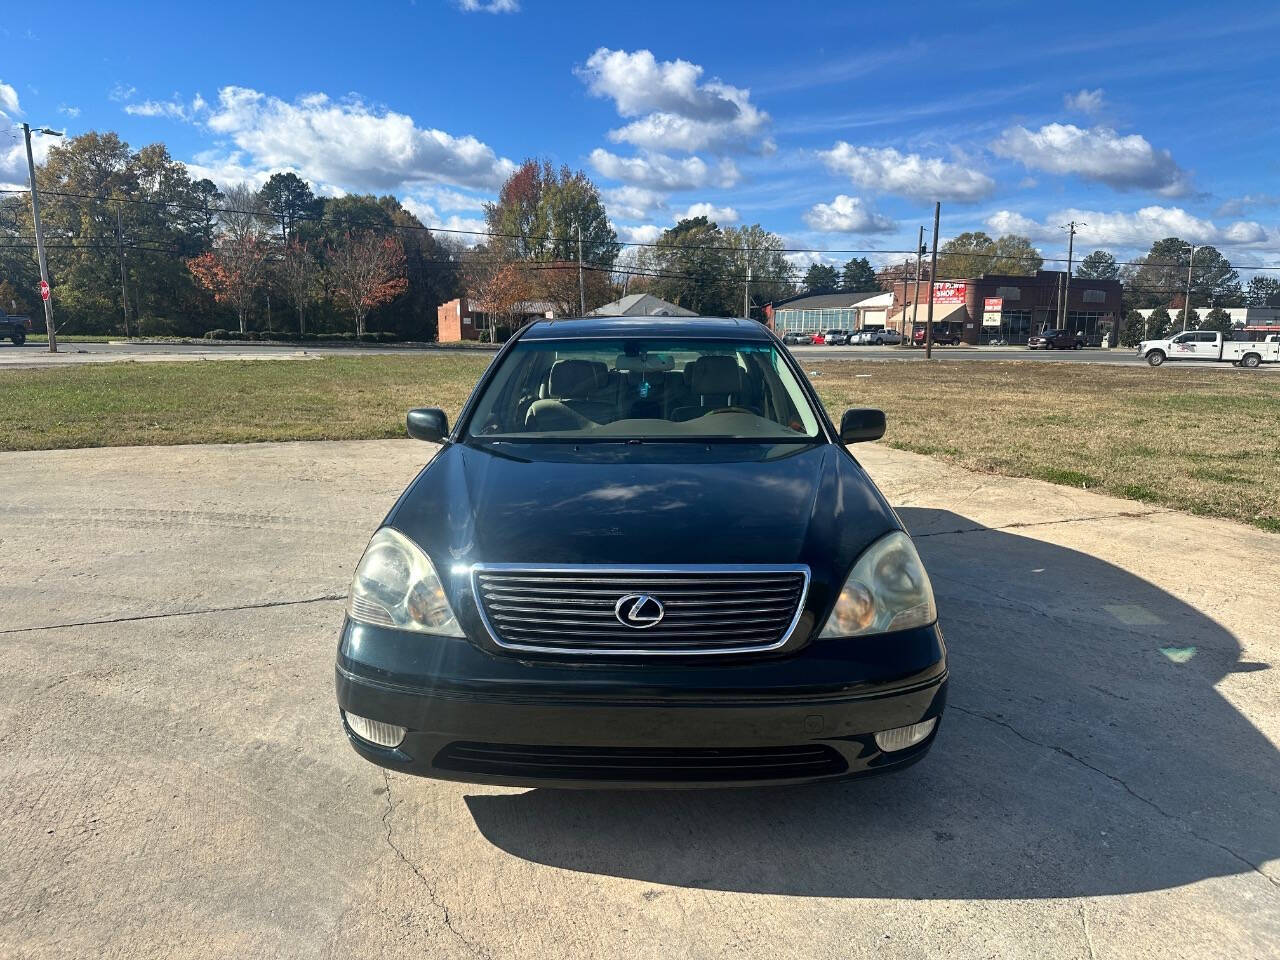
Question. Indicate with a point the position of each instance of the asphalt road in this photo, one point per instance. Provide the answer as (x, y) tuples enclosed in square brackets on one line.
[(174, 781), (34, 355)]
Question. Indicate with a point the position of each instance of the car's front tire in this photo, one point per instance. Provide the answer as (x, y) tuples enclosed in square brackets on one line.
[(1155, 358)]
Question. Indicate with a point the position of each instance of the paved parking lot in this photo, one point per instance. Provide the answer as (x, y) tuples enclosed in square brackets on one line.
[(174, 782)]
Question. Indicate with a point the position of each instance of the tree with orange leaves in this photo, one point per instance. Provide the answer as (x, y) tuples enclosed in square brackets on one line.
[(232, 271), (366, 270)]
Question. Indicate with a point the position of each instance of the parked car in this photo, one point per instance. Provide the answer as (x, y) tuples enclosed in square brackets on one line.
[(878, 337), (14, 329), (941, 338), (1210, 345), (1055, 340), (836, 338), (643, 556), (818, 339), (794, 338)]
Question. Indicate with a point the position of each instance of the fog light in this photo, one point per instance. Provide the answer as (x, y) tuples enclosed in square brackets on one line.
[(375, 731), (899, 738)]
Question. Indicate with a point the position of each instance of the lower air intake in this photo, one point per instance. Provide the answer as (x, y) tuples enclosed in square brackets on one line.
[(656, 764)]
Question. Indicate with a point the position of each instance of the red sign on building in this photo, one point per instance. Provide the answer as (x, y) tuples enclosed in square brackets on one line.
[(947, 291)]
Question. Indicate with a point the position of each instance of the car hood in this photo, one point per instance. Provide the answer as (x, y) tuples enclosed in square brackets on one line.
[(645, 503)]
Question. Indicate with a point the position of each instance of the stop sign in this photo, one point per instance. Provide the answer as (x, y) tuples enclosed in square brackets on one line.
[(44, 290)]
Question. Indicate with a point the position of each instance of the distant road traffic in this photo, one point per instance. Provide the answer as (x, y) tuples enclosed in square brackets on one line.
[(36, 355)]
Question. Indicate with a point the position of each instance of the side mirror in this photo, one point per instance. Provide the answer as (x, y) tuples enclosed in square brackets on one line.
[(861, 424), (427, 423)]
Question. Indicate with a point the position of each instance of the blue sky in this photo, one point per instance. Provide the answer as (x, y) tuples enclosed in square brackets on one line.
[(833, 124)]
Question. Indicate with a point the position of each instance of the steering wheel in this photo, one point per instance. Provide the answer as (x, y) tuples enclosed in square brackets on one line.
[(729, 410)]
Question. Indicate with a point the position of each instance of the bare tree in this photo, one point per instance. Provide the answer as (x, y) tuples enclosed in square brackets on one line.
[(299, 274), (234, 269), (366, 270)]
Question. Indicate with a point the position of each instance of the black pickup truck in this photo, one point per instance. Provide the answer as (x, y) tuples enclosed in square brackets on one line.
[(15, 329)]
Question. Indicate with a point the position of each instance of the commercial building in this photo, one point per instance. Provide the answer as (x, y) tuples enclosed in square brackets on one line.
[(829, 311), (457, 320), (1000, 307)]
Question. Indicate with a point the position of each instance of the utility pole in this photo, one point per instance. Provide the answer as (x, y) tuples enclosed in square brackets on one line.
[(1066, 289), (1186, 305), (124, 288), (35, 217), (915, 302), (582, 289), (746, 294), (933, 278)]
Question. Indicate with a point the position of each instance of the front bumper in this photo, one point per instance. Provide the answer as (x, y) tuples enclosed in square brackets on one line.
[(480, 718)]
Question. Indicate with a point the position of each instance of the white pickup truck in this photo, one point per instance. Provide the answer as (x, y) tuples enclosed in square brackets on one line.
[(1210, 345)]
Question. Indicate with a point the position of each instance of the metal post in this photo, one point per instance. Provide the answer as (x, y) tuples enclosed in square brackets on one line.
[(746, 294), (933, 278), (44, 263), (1186, 306), (582, 290), (124, 289)]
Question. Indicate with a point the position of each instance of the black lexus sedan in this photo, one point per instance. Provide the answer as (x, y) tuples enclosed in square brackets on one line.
[(643, 556)]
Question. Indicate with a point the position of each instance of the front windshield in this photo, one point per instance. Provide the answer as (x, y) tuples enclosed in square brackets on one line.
[(622, 389)]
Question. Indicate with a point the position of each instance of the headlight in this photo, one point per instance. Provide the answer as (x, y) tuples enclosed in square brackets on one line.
[(887, 590), (395, 585)]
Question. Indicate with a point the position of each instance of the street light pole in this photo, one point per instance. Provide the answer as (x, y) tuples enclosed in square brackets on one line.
[(1066, 289), (1186, 305), (933, 279), (35, 218)]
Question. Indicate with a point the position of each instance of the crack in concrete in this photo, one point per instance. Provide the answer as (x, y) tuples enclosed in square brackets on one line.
[(475, 948), (980, 528), (265, 605), (1119, 781), (1088, 937)]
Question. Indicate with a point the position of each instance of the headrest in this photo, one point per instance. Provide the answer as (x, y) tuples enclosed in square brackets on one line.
[(574, 378), (716, 374)]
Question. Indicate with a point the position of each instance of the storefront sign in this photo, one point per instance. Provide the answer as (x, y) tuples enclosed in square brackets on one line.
[(945, 291), (992, 307)]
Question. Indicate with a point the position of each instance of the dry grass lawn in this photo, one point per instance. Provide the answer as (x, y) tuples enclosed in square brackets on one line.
[(1204, 441)]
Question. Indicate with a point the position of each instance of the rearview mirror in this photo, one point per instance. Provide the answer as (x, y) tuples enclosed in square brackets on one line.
[(427, 423), (861, 424)]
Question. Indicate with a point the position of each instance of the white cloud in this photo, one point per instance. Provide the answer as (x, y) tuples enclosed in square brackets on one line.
[(711, 212), (1138, 228), (71, 112), (1239, 206), (909, 175), (1084, 101), (173, 109), (645, 233), (13, 159), (420, 209), (1096, 153), (634, 203), (8, 99), (847, 214), (489, 6), (676, 110), (350, 143), (658, 171), (229, 169), (121, 92)]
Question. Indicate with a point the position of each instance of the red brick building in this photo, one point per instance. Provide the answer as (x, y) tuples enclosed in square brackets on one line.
[(1010, 308)]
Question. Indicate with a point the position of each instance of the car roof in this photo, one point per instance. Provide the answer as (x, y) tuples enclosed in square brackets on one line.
[(694, 327)]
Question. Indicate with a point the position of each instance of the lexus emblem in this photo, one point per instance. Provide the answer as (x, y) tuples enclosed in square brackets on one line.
[(639, 611)]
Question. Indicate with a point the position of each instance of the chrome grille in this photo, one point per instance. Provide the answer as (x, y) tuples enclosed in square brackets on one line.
[(707, 609)]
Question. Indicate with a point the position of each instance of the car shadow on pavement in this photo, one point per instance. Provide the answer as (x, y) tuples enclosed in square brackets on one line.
[(1085, 751)]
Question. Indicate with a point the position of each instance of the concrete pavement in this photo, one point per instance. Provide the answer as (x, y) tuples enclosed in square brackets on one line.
[(174, 780)]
